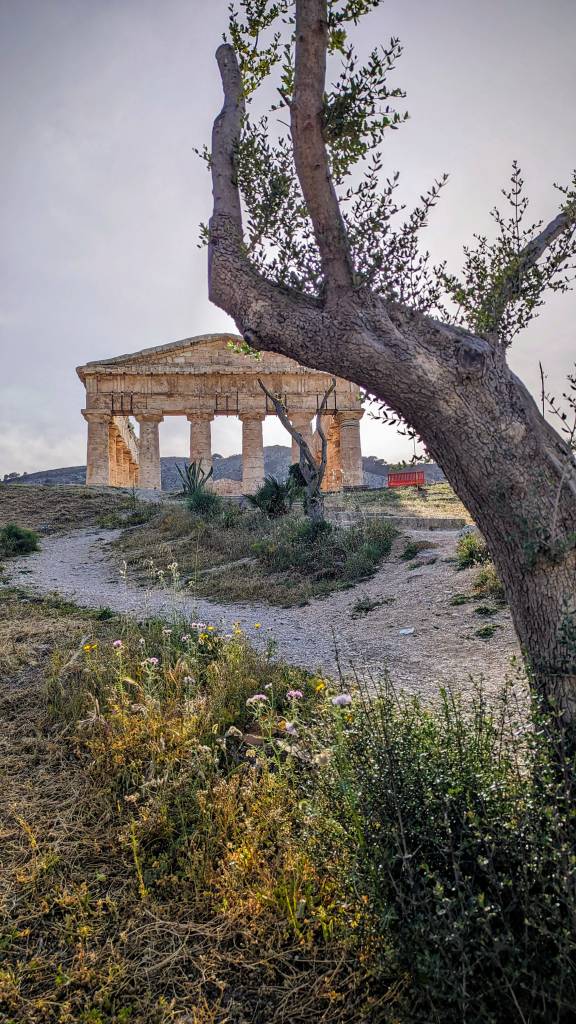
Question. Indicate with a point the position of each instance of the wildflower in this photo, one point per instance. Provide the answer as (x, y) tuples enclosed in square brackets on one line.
[(257, 625), (210, 629), (118, 645), (256, 698), (166, 632), (322, 758), (150, 661), (185, 639), (90, 647), (320, 685), (294, 694), (233, 732), (142, 641), (188, 680), (290, 728), (342, 700)]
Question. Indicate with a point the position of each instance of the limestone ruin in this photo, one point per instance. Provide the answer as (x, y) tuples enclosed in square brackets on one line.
[(201, 378)]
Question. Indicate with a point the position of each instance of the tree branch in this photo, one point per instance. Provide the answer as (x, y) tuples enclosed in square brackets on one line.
[(310, 154), (509, 286), (312, 471)]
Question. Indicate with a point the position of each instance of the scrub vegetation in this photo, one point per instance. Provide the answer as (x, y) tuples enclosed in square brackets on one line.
[(192, 831)]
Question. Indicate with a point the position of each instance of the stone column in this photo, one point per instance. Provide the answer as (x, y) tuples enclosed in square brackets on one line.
[(97, 458), (351, 450), (252, 452), (118, 481), (112, 435), (126, 463), (333, 474), (201, 439), (149, 452), (301, 420)]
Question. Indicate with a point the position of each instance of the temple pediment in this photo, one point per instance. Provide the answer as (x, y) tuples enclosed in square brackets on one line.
[(206, 353)]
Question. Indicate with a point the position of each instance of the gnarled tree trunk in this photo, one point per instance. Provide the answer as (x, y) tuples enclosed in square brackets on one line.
[(510, 468)]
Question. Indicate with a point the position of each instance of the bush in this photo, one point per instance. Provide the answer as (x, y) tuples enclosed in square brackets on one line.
[(204, 502), (471, 549), (17, 540), (414, 547), (274, 498), (465, 833), (487, 583), (327, 552)]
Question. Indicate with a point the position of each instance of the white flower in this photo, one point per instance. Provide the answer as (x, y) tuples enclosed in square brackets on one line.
[(342, 700)]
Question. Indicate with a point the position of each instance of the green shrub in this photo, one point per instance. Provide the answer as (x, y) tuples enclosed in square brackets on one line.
[(327, 552), (465, 834), (487, 583), (204, 502), (17, 540), (471, 549), (413, 548), (274, 497)]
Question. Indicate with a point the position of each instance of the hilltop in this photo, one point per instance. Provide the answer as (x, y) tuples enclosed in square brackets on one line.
[(276, 463)]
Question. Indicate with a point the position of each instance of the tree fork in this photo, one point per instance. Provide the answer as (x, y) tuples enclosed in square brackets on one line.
[(513, 472)]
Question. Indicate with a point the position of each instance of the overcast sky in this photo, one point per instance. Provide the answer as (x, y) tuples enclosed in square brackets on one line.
[(102, 102)]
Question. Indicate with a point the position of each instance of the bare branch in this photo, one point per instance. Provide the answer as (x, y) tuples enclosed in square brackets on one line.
[(312, 471), (510, 284), (310, 154), (225, 140)]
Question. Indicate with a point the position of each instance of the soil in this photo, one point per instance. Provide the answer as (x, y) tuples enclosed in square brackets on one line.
[(410, 629)]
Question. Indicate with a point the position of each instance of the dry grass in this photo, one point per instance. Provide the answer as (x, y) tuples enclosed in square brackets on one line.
[(243, 556), (61, 508), (438, 501), (147, 876)]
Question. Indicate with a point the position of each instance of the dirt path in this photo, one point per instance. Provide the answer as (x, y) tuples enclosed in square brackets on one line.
[(441, 649)]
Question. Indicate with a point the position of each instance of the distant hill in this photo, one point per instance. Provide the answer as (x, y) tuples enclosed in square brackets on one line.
[(276, 463)]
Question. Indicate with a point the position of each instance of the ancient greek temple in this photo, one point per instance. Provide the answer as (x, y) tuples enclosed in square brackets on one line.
[(202, 378)]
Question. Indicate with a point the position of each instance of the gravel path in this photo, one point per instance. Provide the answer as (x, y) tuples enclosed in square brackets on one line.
[(440, 649)]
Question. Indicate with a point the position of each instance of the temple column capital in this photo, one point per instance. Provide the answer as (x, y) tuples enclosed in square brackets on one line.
[(200, 416), (149, 417), (257, 417), (96, 415), (348, 415)]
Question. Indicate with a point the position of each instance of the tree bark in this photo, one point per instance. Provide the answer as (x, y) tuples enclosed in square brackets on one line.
[(510, 468)]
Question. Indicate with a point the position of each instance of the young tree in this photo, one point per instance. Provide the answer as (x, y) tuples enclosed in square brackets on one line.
[(312, 469), (323, 275)]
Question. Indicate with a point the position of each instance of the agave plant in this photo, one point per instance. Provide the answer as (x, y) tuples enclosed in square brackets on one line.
[(193, 477)]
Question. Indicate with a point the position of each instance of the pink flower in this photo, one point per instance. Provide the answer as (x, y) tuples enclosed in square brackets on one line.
[(294, 694), (117, 644), (151, 661), (290, 728), (256, 698), (342, 700)]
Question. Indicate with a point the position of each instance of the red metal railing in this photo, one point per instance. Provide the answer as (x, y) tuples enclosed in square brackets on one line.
[(412, 478)]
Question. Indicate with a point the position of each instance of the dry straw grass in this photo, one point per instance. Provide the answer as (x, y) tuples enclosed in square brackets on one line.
[(149, 875)]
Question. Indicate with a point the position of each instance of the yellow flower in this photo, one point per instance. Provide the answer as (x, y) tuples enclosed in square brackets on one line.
[(210, 628), (257, 625), (320, 685), (90, 647)]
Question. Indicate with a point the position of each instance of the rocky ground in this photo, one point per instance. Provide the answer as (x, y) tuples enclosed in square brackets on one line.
[(401, 621)]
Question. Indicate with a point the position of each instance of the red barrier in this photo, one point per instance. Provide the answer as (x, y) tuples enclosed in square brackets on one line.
[(412, 478)]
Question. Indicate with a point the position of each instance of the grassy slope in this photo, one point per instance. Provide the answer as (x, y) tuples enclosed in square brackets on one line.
[(57, 509), (126, 897), (438, 501), (252, 558)]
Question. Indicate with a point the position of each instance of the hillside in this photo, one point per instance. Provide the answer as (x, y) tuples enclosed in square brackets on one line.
[(276, 463)]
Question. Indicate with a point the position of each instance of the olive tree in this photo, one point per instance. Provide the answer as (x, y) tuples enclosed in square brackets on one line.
[(313, 257)]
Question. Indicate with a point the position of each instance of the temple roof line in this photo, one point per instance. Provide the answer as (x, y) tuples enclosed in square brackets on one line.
[(172, 346)]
